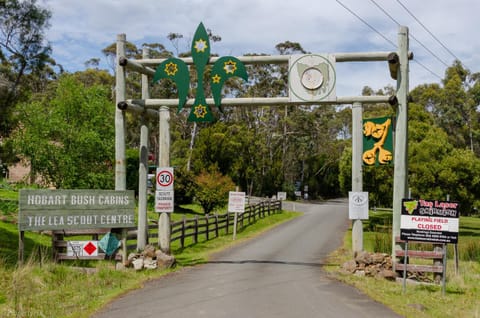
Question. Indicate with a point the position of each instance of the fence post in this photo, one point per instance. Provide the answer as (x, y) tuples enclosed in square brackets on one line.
[(216, 225), (207, 230), (195, 236), (438, 277), (182, 239), (228, 222)]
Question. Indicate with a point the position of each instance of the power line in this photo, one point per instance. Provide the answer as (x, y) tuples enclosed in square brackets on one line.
[(366, 23), (388, 40), (429, 70), (426, 29), (411, 35)]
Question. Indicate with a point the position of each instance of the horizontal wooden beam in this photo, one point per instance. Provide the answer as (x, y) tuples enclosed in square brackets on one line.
[(260, 101), (142, 65), (419, 268), (138, 109)]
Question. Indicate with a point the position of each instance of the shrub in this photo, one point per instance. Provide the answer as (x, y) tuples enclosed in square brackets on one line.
[(212, 189)]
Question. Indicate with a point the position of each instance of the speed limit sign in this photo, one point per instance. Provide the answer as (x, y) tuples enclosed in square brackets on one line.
[(165, 179)]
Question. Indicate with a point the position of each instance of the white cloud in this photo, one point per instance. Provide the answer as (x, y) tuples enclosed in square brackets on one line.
[(81, 29)]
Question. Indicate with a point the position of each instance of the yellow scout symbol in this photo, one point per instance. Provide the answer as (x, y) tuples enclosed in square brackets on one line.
[(377, 141)]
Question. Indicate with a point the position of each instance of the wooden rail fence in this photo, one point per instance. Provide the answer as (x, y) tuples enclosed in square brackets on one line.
[(209, 226), (186, 230)]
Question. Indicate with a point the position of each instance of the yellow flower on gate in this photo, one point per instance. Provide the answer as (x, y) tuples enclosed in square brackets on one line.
[(171, 69)]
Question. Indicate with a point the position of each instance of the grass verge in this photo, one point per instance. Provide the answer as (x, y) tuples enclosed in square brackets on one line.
[(421, 301), (41, 288)]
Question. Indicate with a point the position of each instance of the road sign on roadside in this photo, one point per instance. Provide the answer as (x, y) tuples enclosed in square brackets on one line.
[(164, 193), (358, 205), (165, 178), (236, 202)]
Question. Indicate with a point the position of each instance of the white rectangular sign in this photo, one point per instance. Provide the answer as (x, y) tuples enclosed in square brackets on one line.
[(164, 179), (164, 201), (282, 196), (358, 205), (236, 202), (82, 248)]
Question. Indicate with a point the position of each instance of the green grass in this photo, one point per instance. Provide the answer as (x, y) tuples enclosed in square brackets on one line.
[(462, 290), (36, 288)]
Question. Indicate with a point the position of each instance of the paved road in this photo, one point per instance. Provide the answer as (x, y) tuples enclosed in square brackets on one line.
[(276, 275)]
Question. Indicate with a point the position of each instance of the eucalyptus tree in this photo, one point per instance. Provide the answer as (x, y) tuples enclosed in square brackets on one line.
[(455, 106), (25, 62), (67, 135)]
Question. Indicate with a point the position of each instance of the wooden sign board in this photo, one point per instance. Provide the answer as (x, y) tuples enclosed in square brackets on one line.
[(75, 209)]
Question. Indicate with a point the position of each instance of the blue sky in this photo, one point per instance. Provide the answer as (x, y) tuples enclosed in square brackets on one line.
[(81, 29)]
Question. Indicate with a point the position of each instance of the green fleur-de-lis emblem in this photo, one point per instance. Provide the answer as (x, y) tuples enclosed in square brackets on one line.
[(223, 69)]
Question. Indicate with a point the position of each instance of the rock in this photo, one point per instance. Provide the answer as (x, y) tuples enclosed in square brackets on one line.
[(387, 274), (138, 264), (131, 257), (150, 263), (371, 264), (149, 251), (149, 258), (164, 260), (364, 258), (379, 258), (360, 273), (350, 266)]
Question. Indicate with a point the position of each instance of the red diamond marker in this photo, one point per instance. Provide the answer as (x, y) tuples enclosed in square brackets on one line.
[(90, 248)]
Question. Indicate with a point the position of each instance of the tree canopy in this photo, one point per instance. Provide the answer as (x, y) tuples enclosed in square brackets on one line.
[(67, 135), (62, 124)]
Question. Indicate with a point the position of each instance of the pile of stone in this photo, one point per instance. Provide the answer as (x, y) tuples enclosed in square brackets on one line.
[(371, 264), (150, 258)]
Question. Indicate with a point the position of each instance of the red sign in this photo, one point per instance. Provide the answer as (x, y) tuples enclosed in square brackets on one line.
[(90, 248)]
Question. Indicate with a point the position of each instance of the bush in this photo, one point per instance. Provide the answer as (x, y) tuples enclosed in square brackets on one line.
[(184, 186), (212, 189)]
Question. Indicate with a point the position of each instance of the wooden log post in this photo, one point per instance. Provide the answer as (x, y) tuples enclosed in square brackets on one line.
[(357, 172), (400, 177), (164, 161), (195, 235), (184, 223), (120, 128), (207, 227), (142, 238)]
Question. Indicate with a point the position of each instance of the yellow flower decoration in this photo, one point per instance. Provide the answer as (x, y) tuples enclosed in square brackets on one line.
[(171, 69), (200, 111), (216, 79), (200, 45), (230, 67)]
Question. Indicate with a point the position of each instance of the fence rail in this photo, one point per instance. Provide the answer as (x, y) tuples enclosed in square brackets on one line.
[(186, 230), (209, 226)]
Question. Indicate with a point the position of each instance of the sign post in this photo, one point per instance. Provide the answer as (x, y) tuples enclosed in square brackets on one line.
[(236, 204)]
